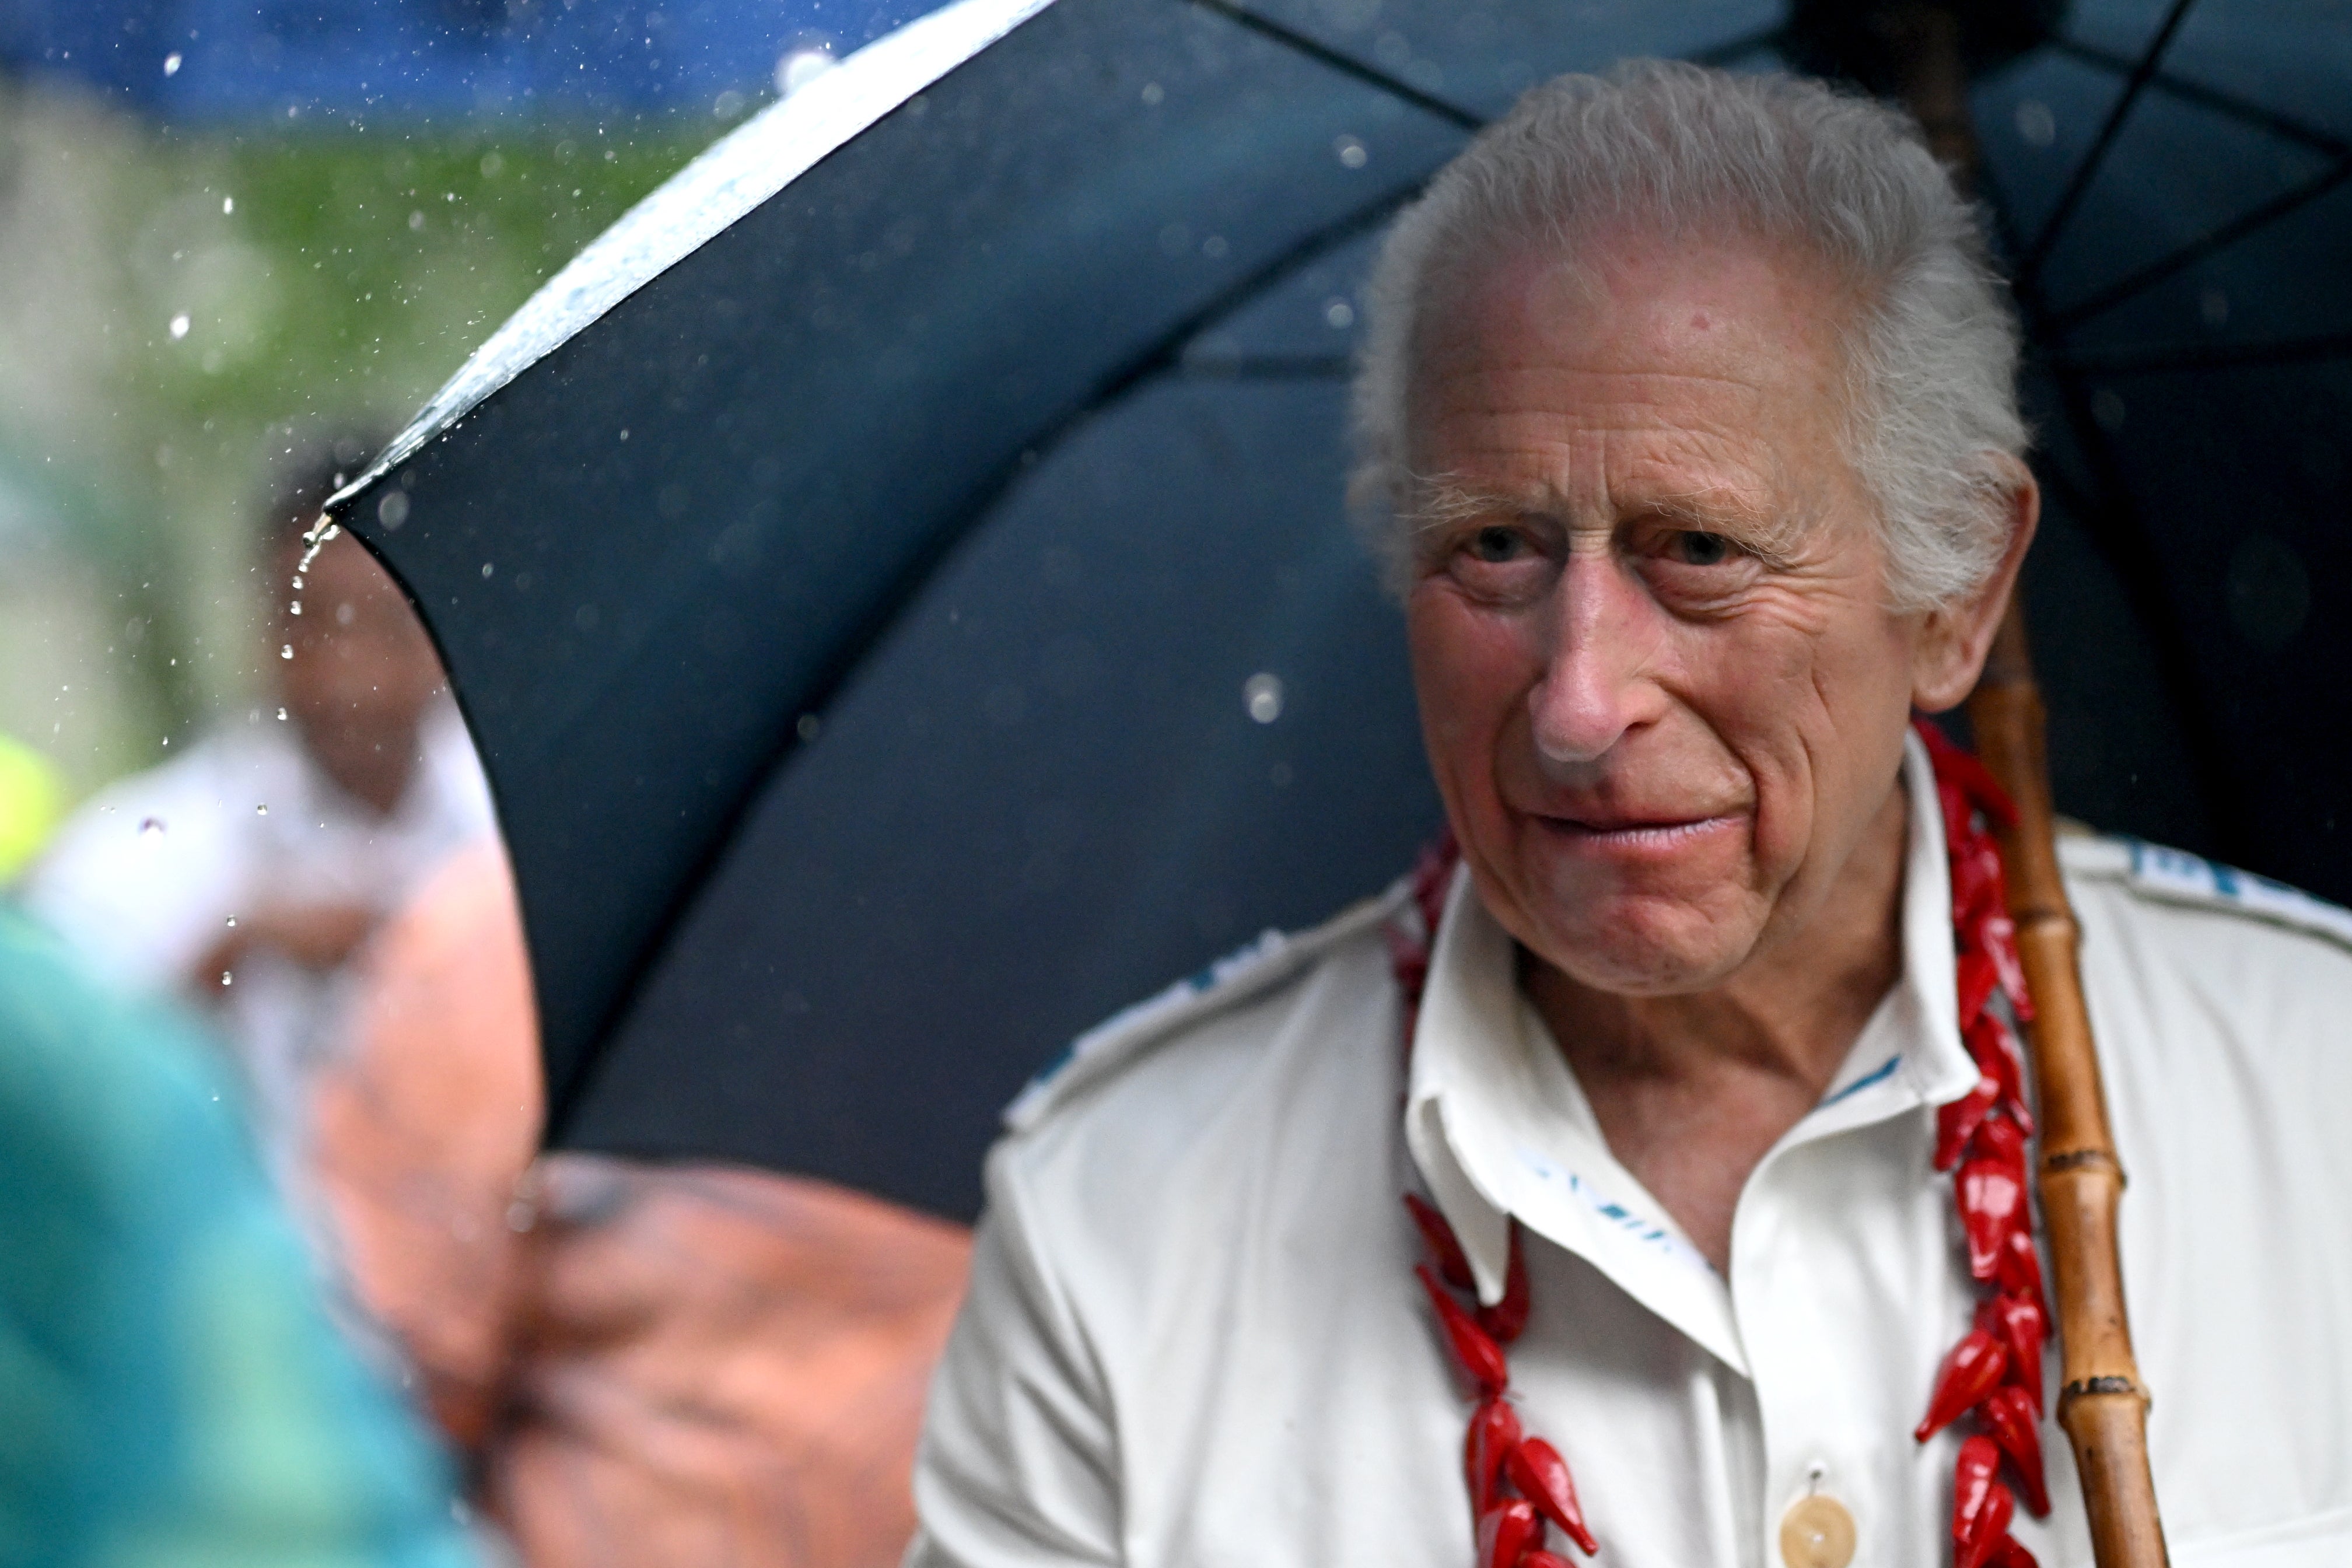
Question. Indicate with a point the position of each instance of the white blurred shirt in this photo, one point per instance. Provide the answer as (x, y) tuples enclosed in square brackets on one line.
[(148, 873), (1194, 1337)]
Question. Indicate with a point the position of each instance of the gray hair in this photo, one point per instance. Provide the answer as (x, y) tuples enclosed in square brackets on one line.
[(1931, 352)]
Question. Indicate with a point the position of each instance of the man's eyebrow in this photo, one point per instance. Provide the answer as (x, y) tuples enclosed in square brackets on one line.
[(1440, 499)]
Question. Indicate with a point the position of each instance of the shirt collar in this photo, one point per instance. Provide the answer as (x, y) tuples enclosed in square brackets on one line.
[(1500, 1128)]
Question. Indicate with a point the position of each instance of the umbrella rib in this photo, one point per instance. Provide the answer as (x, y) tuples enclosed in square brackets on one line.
[(2088, 169), (1345, 64), (2286, 127), (1267, 367), (2203, 245), (2217, 356), (1767, 37), (2109, 517)]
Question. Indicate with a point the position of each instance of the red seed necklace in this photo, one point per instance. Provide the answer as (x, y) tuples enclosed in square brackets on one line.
[(1518, 1482)]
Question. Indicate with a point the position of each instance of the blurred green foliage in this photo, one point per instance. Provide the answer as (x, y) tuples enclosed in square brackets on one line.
[(187, 305)]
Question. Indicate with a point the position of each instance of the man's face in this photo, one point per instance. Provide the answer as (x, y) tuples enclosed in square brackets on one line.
[(1659, 685), (362, 670)]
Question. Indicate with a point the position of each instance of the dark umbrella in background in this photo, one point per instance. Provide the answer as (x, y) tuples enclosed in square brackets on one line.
[(898, 582)]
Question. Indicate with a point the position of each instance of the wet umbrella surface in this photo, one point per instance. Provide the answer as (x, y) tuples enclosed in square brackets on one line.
[(899, 578)]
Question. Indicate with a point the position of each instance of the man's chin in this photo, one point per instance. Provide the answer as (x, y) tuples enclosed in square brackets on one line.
[(1645, 934)]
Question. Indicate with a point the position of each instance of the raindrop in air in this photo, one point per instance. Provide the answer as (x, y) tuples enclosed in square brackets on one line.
[(151, 828), (180, 326), (485, 568), (1261, 695), (2036, 123), (1340, 313), (1353, 154), (232, 920), (295, 606), (391, 511), (172, 64), (225, 977), (261, 810), (287, 651), (282, 715), (228, 205)]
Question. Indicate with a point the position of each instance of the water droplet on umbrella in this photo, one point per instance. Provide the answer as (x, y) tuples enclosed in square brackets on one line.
[(171, 63), (180, 326), (151, 828), (798, 68), (1261, 695)]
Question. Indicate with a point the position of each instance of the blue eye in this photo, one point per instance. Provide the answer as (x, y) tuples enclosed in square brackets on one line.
[(1702, 549)]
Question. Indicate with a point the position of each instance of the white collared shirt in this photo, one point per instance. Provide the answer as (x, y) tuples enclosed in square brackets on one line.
[(1194, 1337)]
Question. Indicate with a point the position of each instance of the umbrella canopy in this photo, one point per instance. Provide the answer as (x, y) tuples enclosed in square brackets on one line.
[(899, 579)]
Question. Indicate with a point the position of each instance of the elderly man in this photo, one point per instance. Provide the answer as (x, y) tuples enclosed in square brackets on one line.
[(1691, 398)]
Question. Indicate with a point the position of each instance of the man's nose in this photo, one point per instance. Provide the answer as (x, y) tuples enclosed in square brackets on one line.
[(1596, 685)]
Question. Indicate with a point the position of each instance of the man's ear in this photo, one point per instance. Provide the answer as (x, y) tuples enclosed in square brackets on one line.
[(1950, 651)]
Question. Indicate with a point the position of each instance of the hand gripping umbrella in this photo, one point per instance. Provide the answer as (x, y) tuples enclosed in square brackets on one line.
[(897, 581)]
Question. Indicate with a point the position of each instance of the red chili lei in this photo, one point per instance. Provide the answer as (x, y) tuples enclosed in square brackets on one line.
[(1518, 1481)]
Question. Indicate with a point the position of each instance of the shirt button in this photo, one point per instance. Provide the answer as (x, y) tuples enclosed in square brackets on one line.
[(1817, 1532)]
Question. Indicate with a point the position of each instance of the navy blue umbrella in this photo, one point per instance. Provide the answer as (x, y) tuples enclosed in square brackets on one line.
[(899, 577)]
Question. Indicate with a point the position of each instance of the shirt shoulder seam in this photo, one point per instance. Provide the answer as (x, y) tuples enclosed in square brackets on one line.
[(2155, 873), (1241, 976)]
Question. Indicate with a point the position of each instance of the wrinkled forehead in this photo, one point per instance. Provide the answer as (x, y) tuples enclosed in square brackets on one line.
[(1726, 349), (1642, 297)]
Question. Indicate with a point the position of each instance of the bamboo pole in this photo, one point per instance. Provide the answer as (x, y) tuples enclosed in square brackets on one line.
[(2102, 1405)]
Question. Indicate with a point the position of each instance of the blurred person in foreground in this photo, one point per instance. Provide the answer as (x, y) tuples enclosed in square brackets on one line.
[(245, 874), (1649, 1176), (688, 1366), (172, 1390)]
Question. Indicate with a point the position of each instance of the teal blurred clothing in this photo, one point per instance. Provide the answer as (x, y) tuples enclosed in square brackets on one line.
[(172, 1390)]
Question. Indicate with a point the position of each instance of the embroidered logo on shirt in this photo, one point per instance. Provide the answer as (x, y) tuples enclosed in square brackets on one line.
[(1648, 1232)]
